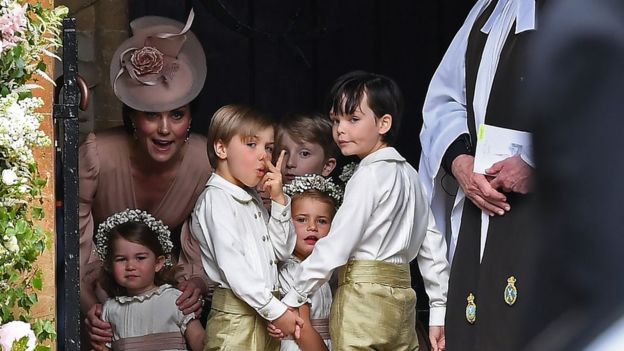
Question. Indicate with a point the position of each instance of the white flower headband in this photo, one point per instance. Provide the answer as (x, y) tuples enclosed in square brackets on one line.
[(314, 182), (347, 172), (133, 215)]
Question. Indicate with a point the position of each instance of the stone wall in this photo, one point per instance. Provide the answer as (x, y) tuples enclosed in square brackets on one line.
[(101, 26)]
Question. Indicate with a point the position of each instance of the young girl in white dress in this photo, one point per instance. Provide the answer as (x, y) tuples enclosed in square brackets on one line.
[(314, 203), (137, 271)]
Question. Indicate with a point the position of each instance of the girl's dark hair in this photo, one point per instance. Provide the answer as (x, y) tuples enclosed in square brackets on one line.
[(138, 233), (127, 111), (383, 93)]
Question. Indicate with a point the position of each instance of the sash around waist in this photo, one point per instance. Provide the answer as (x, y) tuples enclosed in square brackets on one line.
[(225, 300), (151, 342), (376, 272)]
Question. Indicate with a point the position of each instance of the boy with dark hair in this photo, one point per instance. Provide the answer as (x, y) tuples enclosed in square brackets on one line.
[(383, 224)]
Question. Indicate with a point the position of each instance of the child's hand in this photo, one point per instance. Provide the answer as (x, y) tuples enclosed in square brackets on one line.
[(274, 332), (273, 180), (436, 336), (289, 323)]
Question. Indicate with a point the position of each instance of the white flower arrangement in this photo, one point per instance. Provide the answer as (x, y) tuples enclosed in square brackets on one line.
[(301, 184), (19, 135), (29, 32), (17, 334), (9, 177), (133, 215), (347, 172), (19, 129)]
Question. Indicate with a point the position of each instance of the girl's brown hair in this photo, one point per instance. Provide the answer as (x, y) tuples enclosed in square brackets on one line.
[(317, 195), (138, 233)]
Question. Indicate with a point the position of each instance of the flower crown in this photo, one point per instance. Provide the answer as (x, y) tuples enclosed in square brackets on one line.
[(133, 215), (301, 184), (347, 172)]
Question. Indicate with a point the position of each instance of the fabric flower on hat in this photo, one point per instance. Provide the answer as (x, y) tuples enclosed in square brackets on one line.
[(147, 60)]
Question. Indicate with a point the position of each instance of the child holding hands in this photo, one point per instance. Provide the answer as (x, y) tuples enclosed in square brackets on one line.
[(383, 223), (240, 243), (314, 203)]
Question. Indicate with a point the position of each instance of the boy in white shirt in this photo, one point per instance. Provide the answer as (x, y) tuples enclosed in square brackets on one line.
[(383, 224), (310, 148), (240, 244)]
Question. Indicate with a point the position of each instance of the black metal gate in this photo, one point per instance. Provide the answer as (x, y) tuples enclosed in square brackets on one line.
[(67, 236)]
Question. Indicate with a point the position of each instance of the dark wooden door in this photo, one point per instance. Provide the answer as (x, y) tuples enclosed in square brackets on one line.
[(282, 55)]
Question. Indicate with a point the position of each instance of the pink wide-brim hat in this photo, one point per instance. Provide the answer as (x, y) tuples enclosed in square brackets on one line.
[(161, 67)]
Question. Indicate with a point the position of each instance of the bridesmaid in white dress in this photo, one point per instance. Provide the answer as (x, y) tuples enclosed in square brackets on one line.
[(136, 251), (314, 203)]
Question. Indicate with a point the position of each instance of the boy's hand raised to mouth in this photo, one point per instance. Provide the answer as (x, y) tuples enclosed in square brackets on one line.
[(273, 180)]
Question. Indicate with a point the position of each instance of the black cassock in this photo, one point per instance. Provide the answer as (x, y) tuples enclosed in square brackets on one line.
[(509, 244)]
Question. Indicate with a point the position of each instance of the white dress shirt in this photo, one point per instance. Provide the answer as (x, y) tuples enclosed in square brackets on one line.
[(384, 217), (241, 244), (444, 110)]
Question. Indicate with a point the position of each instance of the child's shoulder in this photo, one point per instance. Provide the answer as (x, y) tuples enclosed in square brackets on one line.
[(219, 190), (168, 290), (164, 295)]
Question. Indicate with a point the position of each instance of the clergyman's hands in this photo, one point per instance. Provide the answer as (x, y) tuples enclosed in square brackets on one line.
[(477, 188), (511, 175)]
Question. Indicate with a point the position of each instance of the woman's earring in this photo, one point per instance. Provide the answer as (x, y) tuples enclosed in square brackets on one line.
[(134, 133), (188, 133)]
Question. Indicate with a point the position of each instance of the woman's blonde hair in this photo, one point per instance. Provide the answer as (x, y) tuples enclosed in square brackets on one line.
[(231, 120)]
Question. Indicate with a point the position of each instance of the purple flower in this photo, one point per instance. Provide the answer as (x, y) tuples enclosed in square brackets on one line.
[(12, 24)]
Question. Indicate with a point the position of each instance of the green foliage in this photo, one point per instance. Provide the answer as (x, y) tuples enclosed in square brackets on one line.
[(35, 35), (20, 345)]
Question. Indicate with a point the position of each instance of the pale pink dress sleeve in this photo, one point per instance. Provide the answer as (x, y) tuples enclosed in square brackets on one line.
[(89, 168), (198, 171), (190, 260)]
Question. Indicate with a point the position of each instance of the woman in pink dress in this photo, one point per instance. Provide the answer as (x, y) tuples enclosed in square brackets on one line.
[(153, 163)]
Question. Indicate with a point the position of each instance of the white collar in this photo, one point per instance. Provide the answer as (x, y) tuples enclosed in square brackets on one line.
[(235, 191), (384, 154), (525, 15)]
